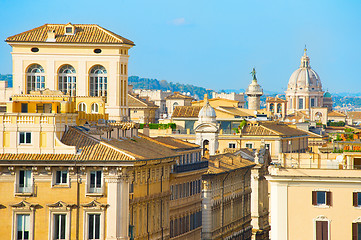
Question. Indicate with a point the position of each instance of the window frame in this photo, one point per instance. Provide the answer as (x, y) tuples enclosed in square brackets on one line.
[(328, 198), (35, 78), (356, 199), (67, 81), (86, 213), (321, 219), (249, 143), (52, 214), (98, 81), (233, 144), (95, 108), (54, 179), (96, 193), (30, 186), (82, 105), (17, 212), (26, 134)]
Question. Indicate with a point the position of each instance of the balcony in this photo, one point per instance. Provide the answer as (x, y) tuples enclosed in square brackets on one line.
[(190, 167), (95, 191), (21, 190)]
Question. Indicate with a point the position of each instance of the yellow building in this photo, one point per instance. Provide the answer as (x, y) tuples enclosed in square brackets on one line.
[(320, 192), (186, 189), (94, 190), (141, 110), (76, 59), (226, 211)]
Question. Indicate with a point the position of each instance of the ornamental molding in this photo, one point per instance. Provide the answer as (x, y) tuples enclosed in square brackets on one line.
[(24, 205), (95, 205), (61, 205)]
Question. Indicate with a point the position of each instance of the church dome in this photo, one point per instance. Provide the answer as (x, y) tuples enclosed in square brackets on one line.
[(327, 95), (304, 78), (207, 113)]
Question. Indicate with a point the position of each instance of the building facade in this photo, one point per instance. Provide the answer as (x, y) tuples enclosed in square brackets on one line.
[(77, 59)]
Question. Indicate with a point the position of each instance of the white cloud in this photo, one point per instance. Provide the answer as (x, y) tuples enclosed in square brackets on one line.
[(178, 21)]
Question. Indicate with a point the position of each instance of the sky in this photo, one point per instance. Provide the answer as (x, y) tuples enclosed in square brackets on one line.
[(213, 44)]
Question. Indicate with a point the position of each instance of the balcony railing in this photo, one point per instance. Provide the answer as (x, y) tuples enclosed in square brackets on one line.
[(20, 189), (190, 167), (95, 190)]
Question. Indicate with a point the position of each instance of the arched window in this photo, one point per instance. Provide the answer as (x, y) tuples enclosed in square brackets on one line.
[(174, 105), (272, 106), (279, 108), (95, 108), (67, 80), (82, 107), (98, 81), (35, 78)]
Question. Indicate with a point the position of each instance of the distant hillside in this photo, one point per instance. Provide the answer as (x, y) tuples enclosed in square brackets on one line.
[(8, 78), (148, 83)]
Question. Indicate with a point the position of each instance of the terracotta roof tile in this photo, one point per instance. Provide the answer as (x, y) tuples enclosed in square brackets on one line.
[(84, 33), (227, 162), (177, 95), (186, 111), (176, 143), (270, 129)]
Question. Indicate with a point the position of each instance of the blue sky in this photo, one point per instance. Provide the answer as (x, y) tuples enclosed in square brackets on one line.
[(214, 44)]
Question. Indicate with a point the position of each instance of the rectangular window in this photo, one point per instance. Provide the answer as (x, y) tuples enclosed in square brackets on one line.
[(24, 181), (24, 107), (356, 231), (24, 137), (249, 145), (95, 182), (321, 230), (61, 177), (231, 145), (93, 226), (321, 198), (23, 227), (356, 199), (59, 226), (300, 103), (312, 102)]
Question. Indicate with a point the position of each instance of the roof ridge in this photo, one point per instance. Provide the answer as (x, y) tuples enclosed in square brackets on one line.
[(110, 33)]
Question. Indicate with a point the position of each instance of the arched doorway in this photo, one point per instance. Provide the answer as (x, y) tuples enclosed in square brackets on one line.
[(205, 147)]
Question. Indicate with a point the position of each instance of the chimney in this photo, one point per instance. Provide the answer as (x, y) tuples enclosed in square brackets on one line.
[(51, 36)]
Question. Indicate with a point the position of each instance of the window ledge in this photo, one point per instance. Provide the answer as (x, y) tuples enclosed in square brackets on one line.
[(23, 194), (94, 194), (61, 186), (322, 206)]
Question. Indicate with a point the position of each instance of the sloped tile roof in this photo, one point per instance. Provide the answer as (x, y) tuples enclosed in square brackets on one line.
[(186, 111), (227, 162), (336, 114), (177, 95), (270, 129), (354, 115), (137, 102), (84, 33), (176, 143)]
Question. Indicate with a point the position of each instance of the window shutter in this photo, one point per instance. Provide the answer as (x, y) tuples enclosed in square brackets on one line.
[(314, 198), (329, 198), (354, 199), (354, 231), (318, 230), (325, 229)]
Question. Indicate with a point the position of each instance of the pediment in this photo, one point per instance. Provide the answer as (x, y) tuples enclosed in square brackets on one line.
[(25, 205), (61, 205), (95, 205)]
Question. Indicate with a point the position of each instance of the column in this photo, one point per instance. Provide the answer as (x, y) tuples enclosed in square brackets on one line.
[(118, 201), (279, 224), (255, 197), (206, 210)]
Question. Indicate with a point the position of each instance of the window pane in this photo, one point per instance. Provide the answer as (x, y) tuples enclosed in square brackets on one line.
[(28, 137), (359, 198), (64, 177), (321, 197), (57, 177), (99, 179), (22, 138), (56, 226), (97, 226), (91, 226), (62, 229), (92, 179)]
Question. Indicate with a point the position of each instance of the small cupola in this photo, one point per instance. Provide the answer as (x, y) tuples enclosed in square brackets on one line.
[(69, 29)]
